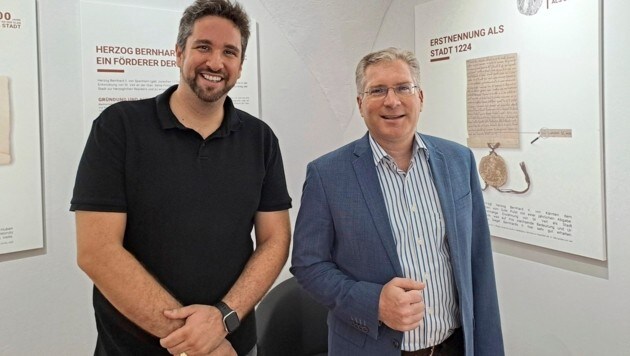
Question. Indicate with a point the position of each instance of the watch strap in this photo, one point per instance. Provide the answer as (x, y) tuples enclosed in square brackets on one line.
[(223, 308), (226, 312)]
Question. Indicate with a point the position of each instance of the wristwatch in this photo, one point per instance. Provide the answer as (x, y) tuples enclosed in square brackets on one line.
[(230, 319)]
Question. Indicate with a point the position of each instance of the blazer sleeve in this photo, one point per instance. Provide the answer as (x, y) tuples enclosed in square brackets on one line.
[(488, 338), (351, 301)]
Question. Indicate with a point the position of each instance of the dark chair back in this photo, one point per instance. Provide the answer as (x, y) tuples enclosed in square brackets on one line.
[(290, 322)]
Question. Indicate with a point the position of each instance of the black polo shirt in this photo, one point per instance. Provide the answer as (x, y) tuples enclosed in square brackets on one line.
[(190, 204)]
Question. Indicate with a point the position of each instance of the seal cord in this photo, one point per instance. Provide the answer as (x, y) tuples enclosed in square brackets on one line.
[(498, 187)]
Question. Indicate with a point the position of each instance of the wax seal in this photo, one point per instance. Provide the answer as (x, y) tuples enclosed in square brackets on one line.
[(528, 7), (493, 171)]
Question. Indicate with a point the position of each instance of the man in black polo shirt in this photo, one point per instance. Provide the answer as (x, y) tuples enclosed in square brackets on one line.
[(166, 195)]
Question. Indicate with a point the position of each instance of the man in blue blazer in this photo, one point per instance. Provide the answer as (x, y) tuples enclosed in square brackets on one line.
[(392, 233)]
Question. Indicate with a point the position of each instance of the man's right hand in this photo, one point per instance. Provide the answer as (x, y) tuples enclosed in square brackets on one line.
[(401, 305), (202, 333)]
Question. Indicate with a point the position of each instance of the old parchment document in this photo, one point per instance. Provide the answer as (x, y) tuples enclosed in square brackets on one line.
[(492, 101)]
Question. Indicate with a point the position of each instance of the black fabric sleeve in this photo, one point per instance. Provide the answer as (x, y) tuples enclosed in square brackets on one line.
[(100, 180), (274, 195)]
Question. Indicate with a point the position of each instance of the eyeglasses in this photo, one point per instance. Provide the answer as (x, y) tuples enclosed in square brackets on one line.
[(400, 90)]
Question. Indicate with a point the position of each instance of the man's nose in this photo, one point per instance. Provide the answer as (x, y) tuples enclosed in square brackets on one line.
[(215, 61), (391, 98)]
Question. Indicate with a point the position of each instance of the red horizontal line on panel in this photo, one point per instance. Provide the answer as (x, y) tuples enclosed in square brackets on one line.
[(440, 59), (110, 70)]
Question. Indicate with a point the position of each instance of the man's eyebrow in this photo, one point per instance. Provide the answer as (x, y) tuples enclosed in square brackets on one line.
[(208, 42), (233, 47), (201, 41)]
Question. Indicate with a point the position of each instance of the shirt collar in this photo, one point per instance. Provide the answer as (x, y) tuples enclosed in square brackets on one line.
[(168, 120), (379, 153)]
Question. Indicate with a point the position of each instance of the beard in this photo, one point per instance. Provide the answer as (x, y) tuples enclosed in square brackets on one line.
[(209, 95)]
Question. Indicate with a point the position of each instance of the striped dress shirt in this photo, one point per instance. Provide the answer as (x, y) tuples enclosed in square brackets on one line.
[(415, 216)]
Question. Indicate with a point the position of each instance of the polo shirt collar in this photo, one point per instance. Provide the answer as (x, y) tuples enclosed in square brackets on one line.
[(168, 120)]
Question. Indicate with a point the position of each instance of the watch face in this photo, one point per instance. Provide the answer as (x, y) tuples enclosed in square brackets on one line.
[(231, 322)]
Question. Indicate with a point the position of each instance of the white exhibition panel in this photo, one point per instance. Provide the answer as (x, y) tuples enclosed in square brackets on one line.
[(558, 68), (127, 57), (21, 214)]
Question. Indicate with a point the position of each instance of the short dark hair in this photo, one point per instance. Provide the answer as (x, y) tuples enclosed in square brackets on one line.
[(387, 55), (221, 8)]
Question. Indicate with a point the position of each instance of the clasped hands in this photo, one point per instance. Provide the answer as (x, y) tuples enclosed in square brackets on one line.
[(202, 334), (401, 304)]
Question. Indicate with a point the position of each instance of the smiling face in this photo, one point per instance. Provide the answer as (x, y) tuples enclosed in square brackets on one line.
[(391, 120), (210, 64)]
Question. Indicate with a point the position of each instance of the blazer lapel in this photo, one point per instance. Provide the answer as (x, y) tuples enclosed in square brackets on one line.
[(443, 184), (368, 182)]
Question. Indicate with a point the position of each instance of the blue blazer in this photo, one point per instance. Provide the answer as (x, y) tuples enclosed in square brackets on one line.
[(344, 250)]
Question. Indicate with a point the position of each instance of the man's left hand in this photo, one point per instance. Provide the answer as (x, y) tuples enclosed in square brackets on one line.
[(202, 333)]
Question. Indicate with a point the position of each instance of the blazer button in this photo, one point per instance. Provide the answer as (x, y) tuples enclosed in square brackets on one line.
[(396, 344)]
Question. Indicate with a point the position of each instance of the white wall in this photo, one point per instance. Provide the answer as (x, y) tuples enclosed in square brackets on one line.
[(552, 304)]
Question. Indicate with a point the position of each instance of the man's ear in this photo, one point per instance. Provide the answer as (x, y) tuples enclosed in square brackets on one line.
[(178, 55), (359, 102)]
